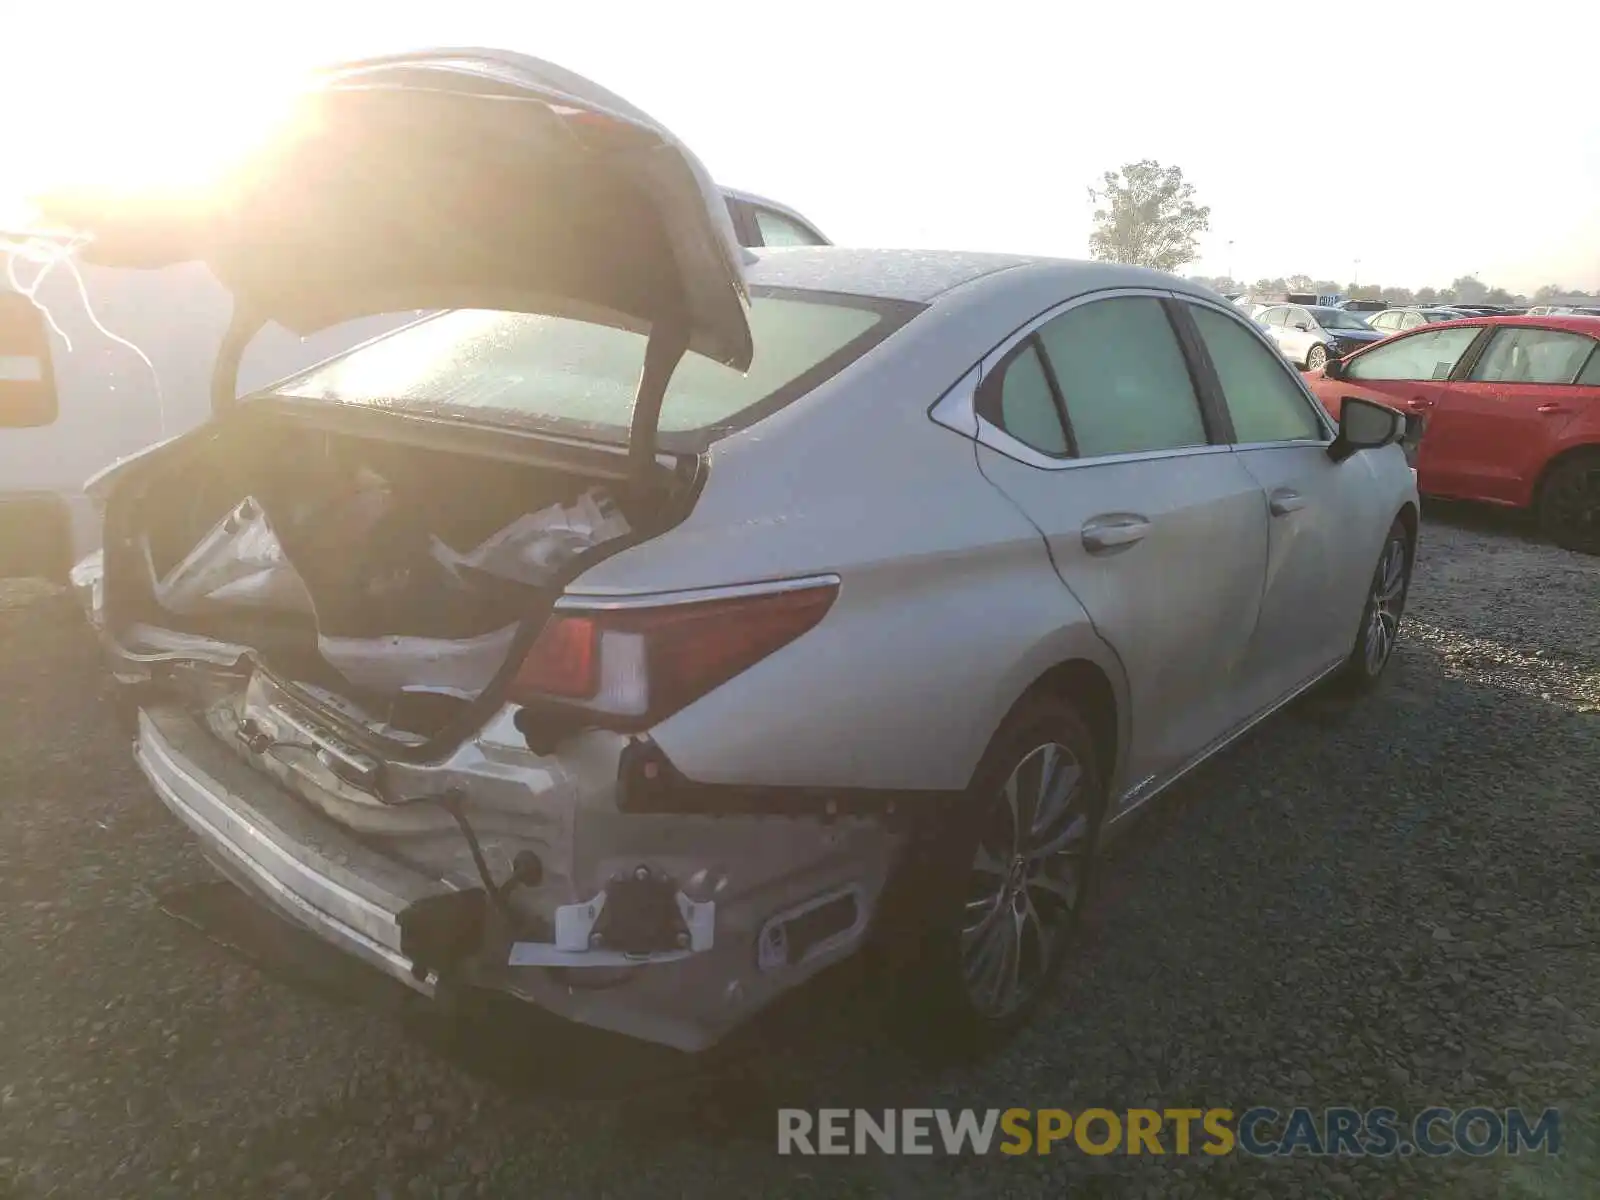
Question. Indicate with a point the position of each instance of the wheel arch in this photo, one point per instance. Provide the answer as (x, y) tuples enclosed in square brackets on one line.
[(1411, 519), (1566, 455), (1089, 687)]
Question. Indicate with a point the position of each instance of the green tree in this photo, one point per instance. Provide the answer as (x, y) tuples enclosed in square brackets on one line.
[(1467, 289), (1428, 296), (1548, 293), (1145, 214), (1499, 295), (1397, 295)]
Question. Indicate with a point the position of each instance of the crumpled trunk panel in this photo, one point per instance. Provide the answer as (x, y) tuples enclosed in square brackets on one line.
[(404, 573)]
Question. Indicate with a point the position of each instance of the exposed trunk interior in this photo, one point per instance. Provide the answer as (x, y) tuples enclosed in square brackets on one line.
[(387, 578)]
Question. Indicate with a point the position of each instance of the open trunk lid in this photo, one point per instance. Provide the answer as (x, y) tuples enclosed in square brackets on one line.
[(454, 178)]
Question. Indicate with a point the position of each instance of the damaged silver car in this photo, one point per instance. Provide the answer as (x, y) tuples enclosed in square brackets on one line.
[(644, 633)]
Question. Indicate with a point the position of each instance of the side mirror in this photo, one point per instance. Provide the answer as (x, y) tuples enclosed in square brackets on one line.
[(1365, 425), (1333, 369)]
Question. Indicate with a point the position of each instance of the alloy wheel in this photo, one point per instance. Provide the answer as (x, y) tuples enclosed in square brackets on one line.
[(1025, 881), (1316, 359), (1388, 602)]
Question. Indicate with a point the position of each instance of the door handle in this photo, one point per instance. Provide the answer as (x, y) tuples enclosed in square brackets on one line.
[(1419, 404), (1109, 532), (1284, 501), (1552, 409)]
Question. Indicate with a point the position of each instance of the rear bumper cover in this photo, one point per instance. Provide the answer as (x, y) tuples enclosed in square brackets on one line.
[(263, 838), (752, 877)]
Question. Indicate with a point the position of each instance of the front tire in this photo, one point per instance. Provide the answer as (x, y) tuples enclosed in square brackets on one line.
[(1014, 873), (1316, 358), (1569, 504), (1386, 604)]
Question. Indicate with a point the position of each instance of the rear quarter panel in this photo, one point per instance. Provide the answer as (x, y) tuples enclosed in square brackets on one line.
[(948, 607)]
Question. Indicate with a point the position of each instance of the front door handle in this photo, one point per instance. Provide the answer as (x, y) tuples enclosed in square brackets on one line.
[(1552, 409), (1419, 404), (1286, 500), (1116, 529)]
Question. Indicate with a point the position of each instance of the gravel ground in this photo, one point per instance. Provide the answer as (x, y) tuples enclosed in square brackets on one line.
[(1394, 903)]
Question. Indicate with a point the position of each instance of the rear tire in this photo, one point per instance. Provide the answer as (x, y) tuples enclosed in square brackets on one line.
[(1010, 877), (1380, 618), (1569, 504), (1316, 358)]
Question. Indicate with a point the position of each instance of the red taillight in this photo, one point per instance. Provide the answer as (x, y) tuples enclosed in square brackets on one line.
[(635, 666), (563, 661)]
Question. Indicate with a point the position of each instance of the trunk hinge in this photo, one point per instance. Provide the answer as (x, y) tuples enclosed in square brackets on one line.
[(662, 353), (225, 375)]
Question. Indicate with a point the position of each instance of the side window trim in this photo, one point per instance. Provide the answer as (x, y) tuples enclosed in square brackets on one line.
[(1496, 331), (1594, 356), (957, 409), (744, 223), (986, 397), (1469, 358), (1211, 387)]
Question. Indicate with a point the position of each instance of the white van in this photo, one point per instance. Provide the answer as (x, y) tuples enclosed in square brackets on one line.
[(75, 398)]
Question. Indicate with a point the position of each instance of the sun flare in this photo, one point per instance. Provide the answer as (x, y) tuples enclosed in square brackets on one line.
[(162, 132)]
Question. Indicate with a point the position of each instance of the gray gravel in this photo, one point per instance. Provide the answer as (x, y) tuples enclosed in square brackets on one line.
[(1392, 903)]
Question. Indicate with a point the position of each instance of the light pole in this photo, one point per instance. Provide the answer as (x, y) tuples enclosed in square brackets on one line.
[(1356, 282), (1230, 262)]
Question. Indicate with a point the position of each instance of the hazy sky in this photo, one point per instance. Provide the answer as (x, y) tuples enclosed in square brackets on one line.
[(1429, 141)]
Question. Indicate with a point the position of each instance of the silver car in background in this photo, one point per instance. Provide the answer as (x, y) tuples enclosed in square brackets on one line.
[(1398, 320), (1310, 334), (653, 631)]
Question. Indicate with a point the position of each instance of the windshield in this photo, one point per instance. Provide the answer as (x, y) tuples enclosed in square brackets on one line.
[(1337, 318), (560, 373)]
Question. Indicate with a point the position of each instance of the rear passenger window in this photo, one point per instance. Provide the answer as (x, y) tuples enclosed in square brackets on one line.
[(1024, 406), (1265, 403), (1123, 378), (1524, 355)]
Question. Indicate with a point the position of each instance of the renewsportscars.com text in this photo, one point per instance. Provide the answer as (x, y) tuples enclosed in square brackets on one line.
[(1258, 1132)]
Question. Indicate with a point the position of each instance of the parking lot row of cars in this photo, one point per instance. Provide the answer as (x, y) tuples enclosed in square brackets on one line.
[(1508, 399)]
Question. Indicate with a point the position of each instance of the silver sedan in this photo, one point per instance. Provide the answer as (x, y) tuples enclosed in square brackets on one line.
[(660, 627)]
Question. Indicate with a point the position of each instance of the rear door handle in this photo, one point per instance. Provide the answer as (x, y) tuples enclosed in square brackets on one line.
[(1111, 531), (1552, 409), (1286, 500)]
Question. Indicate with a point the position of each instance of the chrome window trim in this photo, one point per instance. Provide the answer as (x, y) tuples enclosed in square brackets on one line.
[(957, 409), (1324, 421)]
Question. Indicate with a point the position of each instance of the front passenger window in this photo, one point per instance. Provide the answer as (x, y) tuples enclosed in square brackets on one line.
[(1429, 355), (1265, 403), (1123, 378)]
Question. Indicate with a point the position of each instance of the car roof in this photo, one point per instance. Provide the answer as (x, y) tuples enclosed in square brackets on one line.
[(1571, 322), (923, 276)]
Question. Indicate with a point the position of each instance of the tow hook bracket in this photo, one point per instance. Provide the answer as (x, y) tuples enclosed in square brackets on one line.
[(639, 917)]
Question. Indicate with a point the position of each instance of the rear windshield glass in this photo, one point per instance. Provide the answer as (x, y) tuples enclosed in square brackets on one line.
[(560, 373)]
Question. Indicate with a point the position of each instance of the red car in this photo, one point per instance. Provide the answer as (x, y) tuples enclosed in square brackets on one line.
[(1510, 408)]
